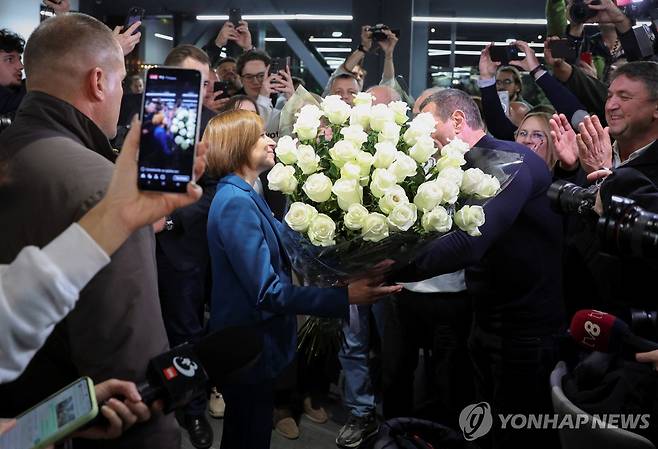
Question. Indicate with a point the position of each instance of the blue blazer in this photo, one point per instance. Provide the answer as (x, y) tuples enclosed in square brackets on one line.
[(251, 277)]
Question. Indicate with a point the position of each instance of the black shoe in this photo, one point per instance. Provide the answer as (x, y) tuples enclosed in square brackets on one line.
[(199, 430), (357, 430)]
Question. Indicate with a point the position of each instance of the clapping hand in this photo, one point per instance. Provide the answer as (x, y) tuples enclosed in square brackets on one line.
[(594, 145), (564, 140)]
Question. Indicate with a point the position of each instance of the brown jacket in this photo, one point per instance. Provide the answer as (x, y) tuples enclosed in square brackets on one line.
[(57, 164)]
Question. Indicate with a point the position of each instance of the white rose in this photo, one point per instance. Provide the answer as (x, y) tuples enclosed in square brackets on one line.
[(318, 187), (424, 122), (390, 133), (360, 115), (399, 109), (476, 182), (450, 161), (403, 216), (381, 181), (322, 231), (456, 144), (363, 99), (428, 195), (306, 128), (380, 114), (411, 135), (282, 179), (307, 160), (335, 109), (310, 112), (348, 192), (355, 134), (365, 161), (403, 167), (437, 219), (343, 151), (469, 219), (299, 216), (453, 174), (450, 190), (355, 216), (385, 154), (375, 227), (393, 196), (452, 151), (351, 170), (423, 149), (286, 150)]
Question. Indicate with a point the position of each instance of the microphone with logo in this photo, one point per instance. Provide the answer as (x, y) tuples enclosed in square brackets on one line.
[(603, 332), (183, 373)]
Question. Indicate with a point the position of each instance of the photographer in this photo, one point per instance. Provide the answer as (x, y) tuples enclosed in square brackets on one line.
[(352, 64), (217, 49), (227, 70)]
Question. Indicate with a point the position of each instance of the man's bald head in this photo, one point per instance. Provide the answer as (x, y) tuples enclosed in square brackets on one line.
[(76, 58), (384, 94), (424, 95)]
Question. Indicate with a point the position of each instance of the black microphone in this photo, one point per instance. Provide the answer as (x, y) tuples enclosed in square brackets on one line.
[(600, 331)]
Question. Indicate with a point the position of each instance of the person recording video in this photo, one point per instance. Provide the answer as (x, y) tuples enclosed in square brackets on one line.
[(12, 87)]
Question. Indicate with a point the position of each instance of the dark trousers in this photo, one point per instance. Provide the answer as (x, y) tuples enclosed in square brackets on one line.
[(512, 375), (248, 417), (182, 296), (439, 323)]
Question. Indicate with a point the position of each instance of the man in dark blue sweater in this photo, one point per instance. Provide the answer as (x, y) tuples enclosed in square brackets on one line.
[(513, 274)]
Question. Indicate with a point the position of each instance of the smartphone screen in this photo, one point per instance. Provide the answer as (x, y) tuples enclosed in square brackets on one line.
[(54, 418), (134, 15), (170, 126)]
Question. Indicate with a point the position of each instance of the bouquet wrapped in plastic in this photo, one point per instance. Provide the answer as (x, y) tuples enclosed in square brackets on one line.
[(363, 185)]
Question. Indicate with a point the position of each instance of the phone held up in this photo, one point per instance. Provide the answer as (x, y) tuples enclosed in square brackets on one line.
[(235, 16), (54, 418), (505, 53), (223, 87), (135, 14), (171, 113), (279, 64), (562, 49)]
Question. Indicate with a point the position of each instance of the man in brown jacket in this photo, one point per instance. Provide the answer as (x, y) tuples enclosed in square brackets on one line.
[(58, 163)]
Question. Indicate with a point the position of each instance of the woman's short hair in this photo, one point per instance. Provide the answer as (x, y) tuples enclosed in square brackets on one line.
[(233, 104), (544, 119), (230, 138)]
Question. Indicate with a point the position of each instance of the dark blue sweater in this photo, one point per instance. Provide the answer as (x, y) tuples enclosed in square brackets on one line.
[(513, 271)]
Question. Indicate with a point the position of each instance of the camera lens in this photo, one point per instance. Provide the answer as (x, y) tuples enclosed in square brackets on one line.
[(628, 229), (568, 198)]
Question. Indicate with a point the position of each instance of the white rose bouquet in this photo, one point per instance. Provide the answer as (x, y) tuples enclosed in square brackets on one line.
[(365, 183)]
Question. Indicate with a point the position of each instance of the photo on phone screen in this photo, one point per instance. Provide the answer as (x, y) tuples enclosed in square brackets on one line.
[(135, 14), (53, 419), (170, 126)]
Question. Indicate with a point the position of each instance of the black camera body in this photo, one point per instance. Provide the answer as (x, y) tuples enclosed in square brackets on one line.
[(568, 198), (378, 32), (505, 53), (627, 229), (580, 12)]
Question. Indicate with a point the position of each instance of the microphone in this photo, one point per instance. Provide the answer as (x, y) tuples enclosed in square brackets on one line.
[(183, 373), (577, 118), (600, 331)]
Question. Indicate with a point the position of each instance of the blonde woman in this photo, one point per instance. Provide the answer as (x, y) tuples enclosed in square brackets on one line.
[(252, 275), (535, 133)]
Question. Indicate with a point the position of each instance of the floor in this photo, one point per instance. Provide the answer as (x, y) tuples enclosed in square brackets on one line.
[(311, 435)]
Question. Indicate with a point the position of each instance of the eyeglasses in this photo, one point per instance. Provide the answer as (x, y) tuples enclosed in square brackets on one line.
[(505, 82), (535, 136), (249, 77)]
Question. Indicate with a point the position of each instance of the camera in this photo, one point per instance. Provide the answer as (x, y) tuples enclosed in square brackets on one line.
[(580, 12), (568, 198), (505, 53), (627, 229), (378, 32)]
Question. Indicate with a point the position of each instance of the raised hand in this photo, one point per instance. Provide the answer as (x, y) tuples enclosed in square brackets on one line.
[(126, 38), (594, 145), (564, 141), (488, 68)]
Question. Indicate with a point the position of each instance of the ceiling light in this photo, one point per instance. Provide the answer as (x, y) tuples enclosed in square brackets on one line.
[(163, 36), (475, 43), (337, 34), (275, 39), (334, 49), (256, 17), (480, 20), (330, 39)]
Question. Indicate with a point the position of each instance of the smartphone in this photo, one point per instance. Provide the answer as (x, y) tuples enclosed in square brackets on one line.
[(503, 95), (171, 112), (586, 57), (562, 49), (53, 419), (222, 86), (234, 16), (505, 53), (135, 14), (279, 64)]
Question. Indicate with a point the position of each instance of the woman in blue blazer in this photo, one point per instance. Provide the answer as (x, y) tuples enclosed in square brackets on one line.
[(251, 275)]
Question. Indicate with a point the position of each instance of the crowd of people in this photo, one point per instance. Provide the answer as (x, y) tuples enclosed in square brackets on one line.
[(100, 277)]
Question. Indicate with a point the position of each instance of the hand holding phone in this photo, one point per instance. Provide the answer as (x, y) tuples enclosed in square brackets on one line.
[(222, 88), (235, 16), (278, 64), (504, 53), (135, 14), (562, 49)]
